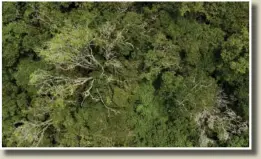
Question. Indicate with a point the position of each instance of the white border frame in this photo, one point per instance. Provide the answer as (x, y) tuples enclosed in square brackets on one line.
[(140, 148)]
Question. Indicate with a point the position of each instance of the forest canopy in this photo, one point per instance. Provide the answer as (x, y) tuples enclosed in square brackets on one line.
[(143, 74)]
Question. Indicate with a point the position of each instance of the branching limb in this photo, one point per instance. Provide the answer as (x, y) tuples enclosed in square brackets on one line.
[(109, 109), (32, 132), (87, 93)]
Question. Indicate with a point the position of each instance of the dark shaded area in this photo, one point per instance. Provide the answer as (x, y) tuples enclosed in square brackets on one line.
[(157, 82), (67, 7), (18, 124)]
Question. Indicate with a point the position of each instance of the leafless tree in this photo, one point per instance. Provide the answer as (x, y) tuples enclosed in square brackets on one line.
[(221, 118), (32, 132)]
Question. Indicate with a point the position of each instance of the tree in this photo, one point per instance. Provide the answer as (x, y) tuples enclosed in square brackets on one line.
[(87, 74)]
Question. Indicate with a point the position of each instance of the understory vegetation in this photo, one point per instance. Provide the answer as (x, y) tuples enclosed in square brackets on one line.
[(125, 74)]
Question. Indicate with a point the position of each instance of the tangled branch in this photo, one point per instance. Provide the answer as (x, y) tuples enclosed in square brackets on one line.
[(32, 132)]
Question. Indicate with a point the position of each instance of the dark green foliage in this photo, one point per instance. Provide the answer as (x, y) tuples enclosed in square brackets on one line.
[(87, 74)]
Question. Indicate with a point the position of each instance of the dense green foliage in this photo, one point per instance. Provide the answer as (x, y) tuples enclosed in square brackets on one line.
[(125, 74)]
